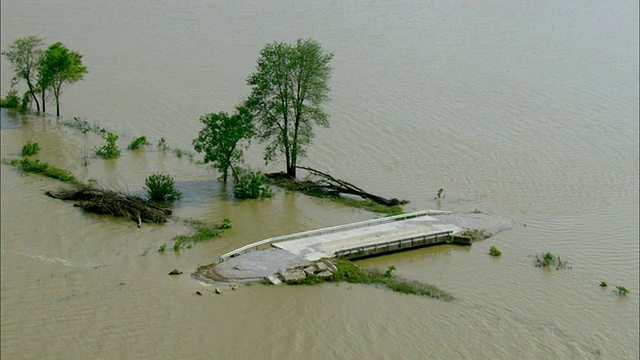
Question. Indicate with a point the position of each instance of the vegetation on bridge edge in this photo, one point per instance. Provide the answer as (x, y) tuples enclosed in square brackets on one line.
[(351, 273)]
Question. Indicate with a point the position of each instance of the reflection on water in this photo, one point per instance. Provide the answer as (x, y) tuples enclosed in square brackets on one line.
[(519, 110)]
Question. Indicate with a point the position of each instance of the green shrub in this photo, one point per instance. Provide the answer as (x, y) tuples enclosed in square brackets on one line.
[(163, 247), (493, 251), (603, 284), (30, 148), (137, 142), (161, 187), (11, 100), (252, 185), (110, 150)]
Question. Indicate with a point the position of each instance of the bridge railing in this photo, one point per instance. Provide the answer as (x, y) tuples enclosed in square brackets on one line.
[(395, 245), (328, 230)]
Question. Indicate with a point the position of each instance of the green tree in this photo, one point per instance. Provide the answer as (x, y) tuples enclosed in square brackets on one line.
[(24, 54), (289, 88), (220, 139), (59, 66)]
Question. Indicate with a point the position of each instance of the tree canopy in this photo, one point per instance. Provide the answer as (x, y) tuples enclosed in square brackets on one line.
[(220, 138), (289, 87), (24, 54), (57, 67)]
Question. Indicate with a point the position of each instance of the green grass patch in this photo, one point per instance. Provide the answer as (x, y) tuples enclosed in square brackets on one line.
[(44, 169), (203, 231), (368, 205), (350, 273)]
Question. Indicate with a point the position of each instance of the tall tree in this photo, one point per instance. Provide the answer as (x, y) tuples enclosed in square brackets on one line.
[(221, 138), (24, 54), (57, 67), (289, 87)]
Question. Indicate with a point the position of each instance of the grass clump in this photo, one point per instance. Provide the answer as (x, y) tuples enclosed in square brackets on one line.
[(550, 260), (203, 231), (110, 150), (36, 167), (349, 272), (30, 148), (137, 143), (161, 187), (493, 251)]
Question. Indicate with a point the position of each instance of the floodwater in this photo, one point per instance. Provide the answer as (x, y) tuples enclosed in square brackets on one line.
[(527, 110)]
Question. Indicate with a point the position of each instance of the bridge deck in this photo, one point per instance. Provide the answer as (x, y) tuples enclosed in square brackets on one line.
[(326, 245), (361, 238)]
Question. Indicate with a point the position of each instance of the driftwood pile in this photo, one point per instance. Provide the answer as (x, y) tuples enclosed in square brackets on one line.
[(101, 201)]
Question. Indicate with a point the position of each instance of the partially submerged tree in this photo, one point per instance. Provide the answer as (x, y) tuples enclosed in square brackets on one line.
[(24, 54), (59, 66), (289, 88), (221, 139)]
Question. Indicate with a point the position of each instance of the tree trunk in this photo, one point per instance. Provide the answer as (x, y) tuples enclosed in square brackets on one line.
[(291, 170), (43, 102), (33, 95)]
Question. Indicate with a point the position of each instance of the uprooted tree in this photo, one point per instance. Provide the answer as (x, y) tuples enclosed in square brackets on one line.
[(327, 185)]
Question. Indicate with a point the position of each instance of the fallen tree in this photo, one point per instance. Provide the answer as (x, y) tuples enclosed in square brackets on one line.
[(101, 201), (327, 185)]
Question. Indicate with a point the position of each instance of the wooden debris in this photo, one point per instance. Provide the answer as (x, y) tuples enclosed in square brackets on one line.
[(109, 202)]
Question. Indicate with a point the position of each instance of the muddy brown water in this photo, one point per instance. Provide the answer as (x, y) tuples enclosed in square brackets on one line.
[(528, 111)]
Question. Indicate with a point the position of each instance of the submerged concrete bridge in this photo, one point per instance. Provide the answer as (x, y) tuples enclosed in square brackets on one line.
[(364, 238)]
